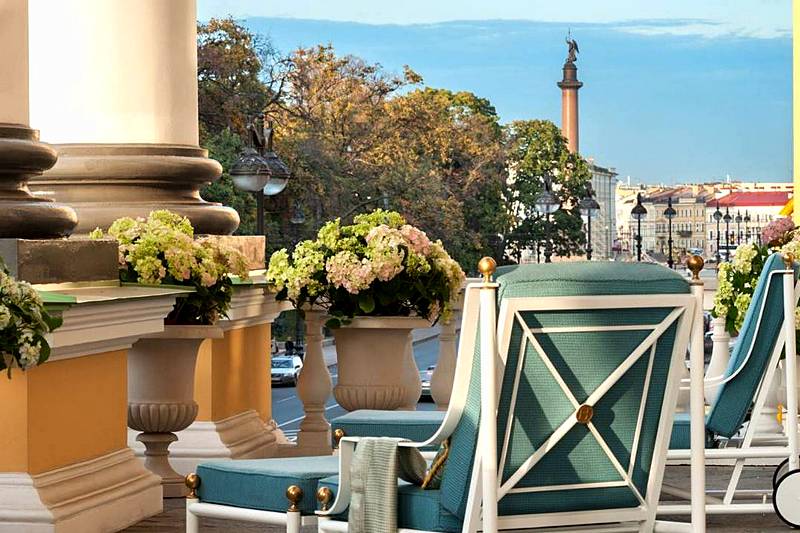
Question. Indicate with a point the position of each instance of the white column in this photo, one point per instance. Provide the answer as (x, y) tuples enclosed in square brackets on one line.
[(114, 87), (121, 71), (720, 355), (21, 153), (314, 387), (14, 62)]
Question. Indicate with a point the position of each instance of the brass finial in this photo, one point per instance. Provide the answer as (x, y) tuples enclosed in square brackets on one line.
[(486, 267), (338, 433), (192, 482), (293, 494), (324, 496), (695, 264), (788, 260)]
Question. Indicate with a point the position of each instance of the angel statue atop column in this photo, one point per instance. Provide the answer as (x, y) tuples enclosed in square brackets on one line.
[(572, 54)]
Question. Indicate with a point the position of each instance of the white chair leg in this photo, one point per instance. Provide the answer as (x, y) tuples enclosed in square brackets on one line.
[(293, 520), (192, 520), (293, 517)]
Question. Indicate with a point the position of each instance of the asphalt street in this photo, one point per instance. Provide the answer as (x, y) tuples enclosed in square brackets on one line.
[(288, 410)]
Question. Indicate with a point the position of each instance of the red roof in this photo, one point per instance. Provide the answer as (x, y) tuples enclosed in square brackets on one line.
[(751, 199)]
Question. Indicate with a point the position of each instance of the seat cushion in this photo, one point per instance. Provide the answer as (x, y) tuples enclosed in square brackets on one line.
[(682, 436), (416, 508), (262, 483), (584, 278), (752, 352), (416, 426)]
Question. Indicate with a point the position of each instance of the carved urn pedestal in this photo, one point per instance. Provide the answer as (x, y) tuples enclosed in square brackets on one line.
[(376, 363), (161, 395)]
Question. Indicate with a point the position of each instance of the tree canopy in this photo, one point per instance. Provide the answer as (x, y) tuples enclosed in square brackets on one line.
[(357, 137)]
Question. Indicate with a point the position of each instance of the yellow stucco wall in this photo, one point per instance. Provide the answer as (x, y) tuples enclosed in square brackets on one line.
[(63, 412), (233, 374)]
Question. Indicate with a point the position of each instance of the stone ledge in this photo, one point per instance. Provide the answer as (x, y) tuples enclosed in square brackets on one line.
[(49, 261)]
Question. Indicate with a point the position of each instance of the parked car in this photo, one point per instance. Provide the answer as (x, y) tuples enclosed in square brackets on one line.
[(286, 369), (425, 378)]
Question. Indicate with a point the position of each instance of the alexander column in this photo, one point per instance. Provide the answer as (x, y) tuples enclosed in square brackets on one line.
[(569, 96)]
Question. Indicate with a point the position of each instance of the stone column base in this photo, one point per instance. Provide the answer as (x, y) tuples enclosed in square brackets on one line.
[(242, 436), (22, 156), (108, 493), (104, 182)]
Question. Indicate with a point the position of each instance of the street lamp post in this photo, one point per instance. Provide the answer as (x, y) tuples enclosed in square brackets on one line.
[(747, 225), (727, 219), (588, 207), (738, 220), (547, 204), (717, 218), (638, 212), (258, 169), (670, 213)]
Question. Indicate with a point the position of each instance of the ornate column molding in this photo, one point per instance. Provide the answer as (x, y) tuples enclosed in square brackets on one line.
[(25, 216), (103, 182)]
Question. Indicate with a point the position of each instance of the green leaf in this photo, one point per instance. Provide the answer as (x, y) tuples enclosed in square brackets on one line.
[(366, 302), (333, 323)]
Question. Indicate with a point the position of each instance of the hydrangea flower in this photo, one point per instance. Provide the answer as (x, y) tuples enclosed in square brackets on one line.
[(379, 265), (162, 249)]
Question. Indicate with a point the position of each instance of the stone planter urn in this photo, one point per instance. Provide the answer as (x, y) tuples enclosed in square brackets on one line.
[(161, 394), (376, 363)]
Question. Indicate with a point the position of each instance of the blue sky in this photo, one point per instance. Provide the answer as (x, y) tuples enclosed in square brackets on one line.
[(673, 91)]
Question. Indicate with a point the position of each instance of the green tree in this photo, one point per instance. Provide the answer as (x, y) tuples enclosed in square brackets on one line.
[(536, 148)]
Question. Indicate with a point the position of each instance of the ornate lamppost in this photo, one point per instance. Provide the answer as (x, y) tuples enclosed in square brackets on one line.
[(670, 213), (738, 221), (727, 219), (258, 169), (638, 213), (589, 207), (747, 225), (547, 203), (717, 218)]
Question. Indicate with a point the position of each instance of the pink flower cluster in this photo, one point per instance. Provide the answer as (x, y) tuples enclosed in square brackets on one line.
[(417, 240), (777, 232), (346, 270)]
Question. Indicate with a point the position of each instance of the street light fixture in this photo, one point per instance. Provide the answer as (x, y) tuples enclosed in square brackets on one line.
[(738, 220), (717, 218), (589, 207), (258, 169), (670, 213), (747, 220), (638, 212), (547, 203), (727, 219)]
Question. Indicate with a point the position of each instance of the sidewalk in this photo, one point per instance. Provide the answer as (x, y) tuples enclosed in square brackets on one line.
[(419, 335)]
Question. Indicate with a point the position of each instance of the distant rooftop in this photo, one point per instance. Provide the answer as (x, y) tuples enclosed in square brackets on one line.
[(752, 199)]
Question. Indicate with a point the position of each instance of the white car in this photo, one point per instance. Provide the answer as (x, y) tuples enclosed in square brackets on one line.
[(286, 369)]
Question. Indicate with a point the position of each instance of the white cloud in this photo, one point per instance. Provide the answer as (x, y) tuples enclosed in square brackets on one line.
[(711, 18)]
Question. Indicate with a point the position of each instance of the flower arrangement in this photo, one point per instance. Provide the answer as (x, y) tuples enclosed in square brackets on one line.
[(378, 266), (738, 278), (24, 322), (162, 249)]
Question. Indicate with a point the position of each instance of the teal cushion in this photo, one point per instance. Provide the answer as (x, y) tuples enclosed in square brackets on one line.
[(582, 278), (416, 508), (581, 359), (262, 483), (681, 437), (736, 396), (416, 426)]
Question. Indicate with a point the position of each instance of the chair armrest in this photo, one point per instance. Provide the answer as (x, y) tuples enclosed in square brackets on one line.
[(347, 446)]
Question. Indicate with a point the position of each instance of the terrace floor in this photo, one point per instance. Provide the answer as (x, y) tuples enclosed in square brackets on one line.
[(172, 519)]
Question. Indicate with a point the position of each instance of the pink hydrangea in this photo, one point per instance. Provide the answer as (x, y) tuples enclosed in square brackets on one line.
[(417, 240), (777, 232), (346, 270)]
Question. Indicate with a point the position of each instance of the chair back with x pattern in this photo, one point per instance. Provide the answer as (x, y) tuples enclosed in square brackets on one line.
[(591, 357)]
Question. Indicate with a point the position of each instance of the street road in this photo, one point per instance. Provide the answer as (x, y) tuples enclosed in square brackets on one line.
[(288, 410)]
